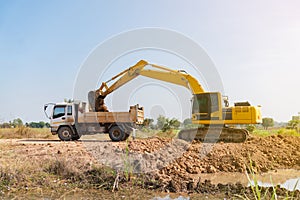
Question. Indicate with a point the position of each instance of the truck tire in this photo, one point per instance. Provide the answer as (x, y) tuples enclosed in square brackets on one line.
[(116, 134), (126, 136), (75, 137), (65, 133)]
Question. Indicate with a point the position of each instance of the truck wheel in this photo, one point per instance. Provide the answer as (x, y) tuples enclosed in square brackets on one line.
[(126, 136), (75, 137), (116, 134), (65, 134)]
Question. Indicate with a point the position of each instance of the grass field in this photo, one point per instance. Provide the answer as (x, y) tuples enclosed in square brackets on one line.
[(280, 131)]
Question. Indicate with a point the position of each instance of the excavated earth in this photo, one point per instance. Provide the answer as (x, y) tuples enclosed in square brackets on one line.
[(175, 162), (265, 154), (175, 165)]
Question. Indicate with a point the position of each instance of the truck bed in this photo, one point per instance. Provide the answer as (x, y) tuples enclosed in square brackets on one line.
[(135, 115)]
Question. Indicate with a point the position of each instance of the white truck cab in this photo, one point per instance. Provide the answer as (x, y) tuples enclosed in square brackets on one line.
[(62, 120)]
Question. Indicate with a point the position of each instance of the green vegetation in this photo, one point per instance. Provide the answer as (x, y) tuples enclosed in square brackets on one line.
[(17, 123), (267, 122), (166, 124), (281, 131), (148, 123), (167, 134), (39, 124), (187, 124), (294, 124), (164, 127), (251, 128)]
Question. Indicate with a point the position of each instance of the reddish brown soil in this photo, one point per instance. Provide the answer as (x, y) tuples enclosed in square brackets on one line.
[(265, 153)]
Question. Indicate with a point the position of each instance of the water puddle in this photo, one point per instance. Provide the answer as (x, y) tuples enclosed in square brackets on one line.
[(291, 184), (286, 178), (169, 198)]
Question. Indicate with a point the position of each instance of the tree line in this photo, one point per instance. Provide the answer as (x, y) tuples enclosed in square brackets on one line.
[(268, 122), (19, 123), (164, 123)]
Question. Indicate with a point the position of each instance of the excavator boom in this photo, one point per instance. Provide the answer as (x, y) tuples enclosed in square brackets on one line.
[(156, 72)]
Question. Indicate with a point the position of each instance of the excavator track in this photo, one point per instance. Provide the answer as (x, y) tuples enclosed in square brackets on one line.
[(214, 134)]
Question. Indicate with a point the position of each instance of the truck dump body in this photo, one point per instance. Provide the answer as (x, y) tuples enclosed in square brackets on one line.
[(135, 115)]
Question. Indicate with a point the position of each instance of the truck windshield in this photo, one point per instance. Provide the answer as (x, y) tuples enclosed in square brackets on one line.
[(59, 111)]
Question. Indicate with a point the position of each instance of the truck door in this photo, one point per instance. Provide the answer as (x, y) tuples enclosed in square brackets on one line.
[(59, 115)]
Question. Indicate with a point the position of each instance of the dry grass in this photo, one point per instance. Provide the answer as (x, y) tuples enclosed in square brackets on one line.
[(25, 132), (31, 167), (59, 167)]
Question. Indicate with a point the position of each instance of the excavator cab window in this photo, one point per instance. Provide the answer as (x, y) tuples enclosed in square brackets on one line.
[(204, 104)]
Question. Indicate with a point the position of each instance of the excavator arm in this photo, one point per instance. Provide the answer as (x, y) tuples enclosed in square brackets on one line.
[(177, 77), (143, 68)]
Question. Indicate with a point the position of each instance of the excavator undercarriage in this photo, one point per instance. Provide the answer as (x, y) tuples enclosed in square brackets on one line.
[(214, 134)]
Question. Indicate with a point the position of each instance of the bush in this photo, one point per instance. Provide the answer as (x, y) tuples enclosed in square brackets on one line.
[(250, 128)]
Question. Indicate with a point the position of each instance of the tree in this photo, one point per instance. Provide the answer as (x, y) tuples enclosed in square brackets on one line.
[(17, 122), (47, 125), (174, 123), (68, 100), (165, 124), (40, 124), (161, 120), (267, 122), (5, 125), (187, 122), (148, 122), (250, 128), (293, 124)]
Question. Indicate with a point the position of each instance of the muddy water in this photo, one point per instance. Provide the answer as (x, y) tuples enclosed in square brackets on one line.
[(286, 178)]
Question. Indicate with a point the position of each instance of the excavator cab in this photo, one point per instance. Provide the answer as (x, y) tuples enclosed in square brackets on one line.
[(208, 109), (207, 106)]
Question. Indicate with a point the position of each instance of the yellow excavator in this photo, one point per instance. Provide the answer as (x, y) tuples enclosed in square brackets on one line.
[(215, 121)]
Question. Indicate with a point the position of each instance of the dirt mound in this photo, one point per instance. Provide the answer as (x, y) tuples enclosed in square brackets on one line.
[(147, 145), (174, 163), (265, 154), (268, 153)]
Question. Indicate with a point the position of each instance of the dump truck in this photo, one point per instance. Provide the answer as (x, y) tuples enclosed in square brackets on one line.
[(72, 120)]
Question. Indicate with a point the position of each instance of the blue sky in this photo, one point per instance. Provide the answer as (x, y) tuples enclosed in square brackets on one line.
[(255, 46)]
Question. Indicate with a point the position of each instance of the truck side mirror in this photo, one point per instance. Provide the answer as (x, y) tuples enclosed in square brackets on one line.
[(46, 108)]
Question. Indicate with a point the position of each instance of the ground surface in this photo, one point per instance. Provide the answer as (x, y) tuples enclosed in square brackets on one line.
[(177, 166)]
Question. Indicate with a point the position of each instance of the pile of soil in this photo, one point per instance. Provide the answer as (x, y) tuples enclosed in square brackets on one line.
[(264, 154)]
